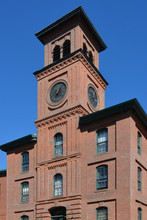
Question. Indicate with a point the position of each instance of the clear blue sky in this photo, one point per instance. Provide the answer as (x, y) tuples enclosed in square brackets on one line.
[(121, 24)]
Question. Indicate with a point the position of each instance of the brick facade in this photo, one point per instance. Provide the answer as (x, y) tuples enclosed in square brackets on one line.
[(3, 192), (92, 171)]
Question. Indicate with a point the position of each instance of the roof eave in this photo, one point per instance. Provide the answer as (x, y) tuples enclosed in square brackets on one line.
[(107, 112), (24, 140)]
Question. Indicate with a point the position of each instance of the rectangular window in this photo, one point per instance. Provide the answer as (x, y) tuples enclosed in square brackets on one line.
[(139, 143), (25, 162), (58, 185), (58, 144), (102, 177), (102, 141), (139, 179), (25, 192), (139, 214)]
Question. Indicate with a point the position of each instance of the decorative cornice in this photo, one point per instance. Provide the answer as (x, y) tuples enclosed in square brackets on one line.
[(50, 69), (59, 159), (51, 202), (76, 56), (59, 124), (62, 115), (92, 70), (57, 67), (57, 165)]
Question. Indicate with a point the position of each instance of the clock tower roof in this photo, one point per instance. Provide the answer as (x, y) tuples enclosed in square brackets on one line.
[(79, 16)]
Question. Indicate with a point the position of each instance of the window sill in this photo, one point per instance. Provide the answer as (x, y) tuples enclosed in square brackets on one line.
[(25, 202), (58, 197), (23, 172), (102, 153), (101, 190), (57, 157)]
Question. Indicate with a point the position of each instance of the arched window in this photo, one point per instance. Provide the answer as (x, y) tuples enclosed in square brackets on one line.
[(24, 217), (102, 141), (56, 53), (139, 214), (102, 213), (91, 56), (66, 48), (58, 144), (25, 192), (25, 162), (139, 143), (58, 213), (58, 185), (85, 48), (139, 179), (102, 177)]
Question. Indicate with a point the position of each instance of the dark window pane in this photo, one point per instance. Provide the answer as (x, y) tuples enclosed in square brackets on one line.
[(58, 185), (102, 213), (91, 56), (102, 141), (139, 214), (102, 177), (24, 217), (139, 143), (139, 179), (58, 213), (85, 48), (25, 162), (58, 144), (25, 192)]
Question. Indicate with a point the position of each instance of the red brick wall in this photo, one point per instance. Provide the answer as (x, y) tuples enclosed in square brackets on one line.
[(122, 197), (3, 194), (16, 208)]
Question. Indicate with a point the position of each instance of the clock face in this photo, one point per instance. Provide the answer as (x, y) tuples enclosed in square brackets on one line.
[(92, 96), (57, 92)]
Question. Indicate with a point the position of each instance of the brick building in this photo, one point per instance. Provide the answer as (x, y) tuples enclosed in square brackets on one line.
[(86, 161)]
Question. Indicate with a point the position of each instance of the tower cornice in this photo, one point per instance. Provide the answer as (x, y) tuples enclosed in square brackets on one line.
[(79, 15), (76, 56), (62, 115)]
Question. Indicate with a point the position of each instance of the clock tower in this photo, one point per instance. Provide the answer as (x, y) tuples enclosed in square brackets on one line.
[(70, 85)]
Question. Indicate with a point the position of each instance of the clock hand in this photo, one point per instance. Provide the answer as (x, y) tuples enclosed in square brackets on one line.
[(92, 93), (58, 90)]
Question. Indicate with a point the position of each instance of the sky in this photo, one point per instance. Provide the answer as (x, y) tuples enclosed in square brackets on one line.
[(121, 24)]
